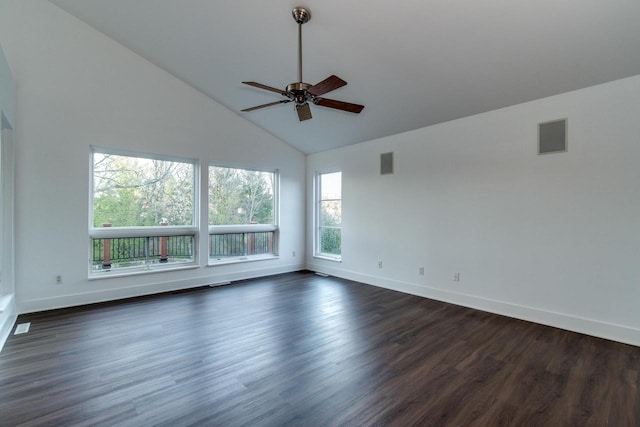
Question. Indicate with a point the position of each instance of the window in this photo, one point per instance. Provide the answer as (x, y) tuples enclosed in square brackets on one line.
[(242, 214), (143, 211), (328, 216)]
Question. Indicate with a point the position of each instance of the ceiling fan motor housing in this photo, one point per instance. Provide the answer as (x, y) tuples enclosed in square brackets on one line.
[(299, 93)]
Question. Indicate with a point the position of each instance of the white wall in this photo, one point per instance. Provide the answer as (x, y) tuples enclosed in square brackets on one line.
[(552, 238), (76, 87)]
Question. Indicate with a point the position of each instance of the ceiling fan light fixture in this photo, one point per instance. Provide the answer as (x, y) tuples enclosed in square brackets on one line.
[(304, 112), (304, 93)]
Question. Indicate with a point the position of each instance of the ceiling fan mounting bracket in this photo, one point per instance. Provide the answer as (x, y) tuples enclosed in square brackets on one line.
[(301, 14)]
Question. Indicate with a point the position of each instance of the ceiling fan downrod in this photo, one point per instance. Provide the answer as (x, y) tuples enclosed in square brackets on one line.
[(301, 16)]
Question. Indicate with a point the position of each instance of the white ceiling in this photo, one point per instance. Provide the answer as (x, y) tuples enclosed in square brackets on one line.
[(412, 63)]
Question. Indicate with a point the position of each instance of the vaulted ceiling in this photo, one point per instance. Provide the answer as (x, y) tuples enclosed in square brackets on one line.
[(412, 63)]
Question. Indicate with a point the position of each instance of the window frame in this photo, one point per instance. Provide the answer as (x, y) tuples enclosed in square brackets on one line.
[(143, 231), (317, 215), (227, 229)]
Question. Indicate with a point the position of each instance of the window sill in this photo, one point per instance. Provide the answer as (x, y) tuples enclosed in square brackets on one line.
[(328, 258), (224, 261), (136, 271)]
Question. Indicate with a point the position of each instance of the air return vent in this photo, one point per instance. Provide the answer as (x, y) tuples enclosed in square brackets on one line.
[(386, 163), (22, 328), (552, 137)]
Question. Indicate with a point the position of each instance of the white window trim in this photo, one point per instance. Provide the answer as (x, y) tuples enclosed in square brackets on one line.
[(147, 231), (247, 228), (329, 257), (152, 231), (142, 154), (317, 197), (241, 228), (213, 262), (117, 152), (138, 270)]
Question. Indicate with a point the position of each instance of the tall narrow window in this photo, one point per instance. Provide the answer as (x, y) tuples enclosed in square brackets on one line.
[(143, 211), (242, 214), (329, 215)]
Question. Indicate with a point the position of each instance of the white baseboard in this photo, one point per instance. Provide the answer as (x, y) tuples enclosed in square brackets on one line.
[(8, 317), (72, 300), (568, 322)]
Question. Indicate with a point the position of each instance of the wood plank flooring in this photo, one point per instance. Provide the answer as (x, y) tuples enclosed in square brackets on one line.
[(303, 350)]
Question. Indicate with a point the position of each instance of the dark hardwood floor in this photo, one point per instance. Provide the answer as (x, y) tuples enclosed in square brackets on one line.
[(299, 349)]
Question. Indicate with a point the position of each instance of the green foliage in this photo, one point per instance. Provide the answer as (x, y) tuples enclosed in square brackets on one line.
[(330, 232), (135, 191), (330, 213), (240, 196), (331, 241)]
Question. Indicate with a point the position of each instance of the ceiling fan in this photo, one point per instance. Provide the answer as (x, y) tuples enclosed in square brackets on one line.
[(304, 93)]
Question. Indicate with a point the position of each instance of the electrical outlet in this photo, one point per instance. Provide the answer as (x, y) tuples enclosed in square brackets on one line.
[(379, 264), (421, 271), (456, 277), (58, 280)]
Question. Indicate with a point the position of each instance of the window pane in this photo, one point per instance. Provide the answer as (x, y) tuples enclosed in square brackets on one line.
[(240, 196), (138, 191), (331, 186), (329, 218), (330, 241), (331, 213), (123, 252), (240, 244)]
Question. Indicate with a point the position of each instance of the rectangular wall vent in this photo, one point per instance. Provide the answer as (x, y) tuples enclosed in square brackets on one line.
[(386, 163), (552, 137)]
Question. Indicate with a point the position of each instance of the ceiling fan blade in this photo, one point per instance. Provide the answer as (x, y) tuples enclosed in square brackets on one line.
[(327, 85), (284, 101), (265, 87), (339, 105), (304, 111)]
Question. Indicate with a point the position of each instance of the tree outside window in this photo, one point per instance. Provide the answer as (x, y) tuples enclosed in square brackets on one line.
[(143, 212), (329, 216), (141, 192), (240, 196), (242, 214)]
